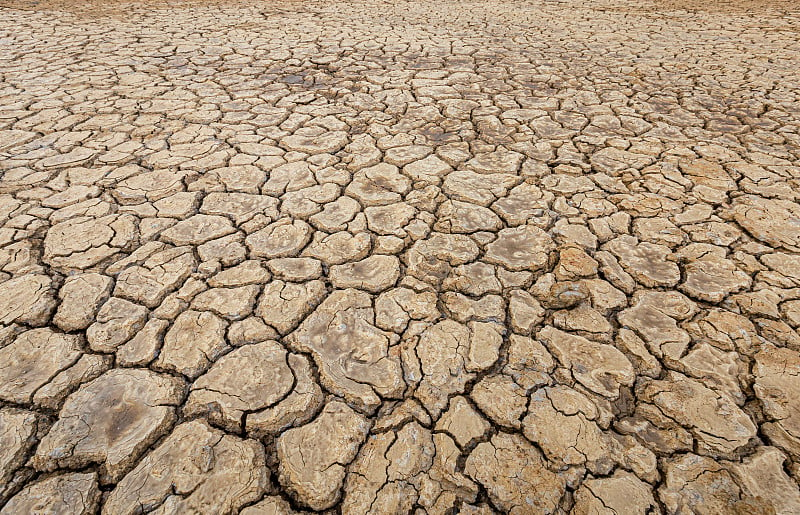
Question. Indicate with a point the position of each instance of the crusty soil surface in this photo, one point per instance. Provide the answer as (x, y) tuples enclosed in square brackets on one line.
[(400, 257)]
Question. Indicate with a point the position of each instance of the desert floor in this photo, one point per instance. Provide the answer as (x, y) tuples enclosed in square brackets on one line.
[(400, 257)]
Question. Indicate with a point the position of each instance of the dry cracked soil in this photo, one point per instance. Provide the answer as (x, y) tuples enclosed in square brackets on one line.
[(527, 257)]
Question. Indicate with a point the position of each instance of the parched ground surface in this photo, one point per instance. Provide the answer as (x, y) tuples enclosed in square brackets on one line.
[(400, 257)]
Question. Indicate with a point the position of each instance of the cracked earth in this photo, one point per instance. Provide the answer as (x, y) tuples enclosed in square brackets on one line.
[(413, 257)]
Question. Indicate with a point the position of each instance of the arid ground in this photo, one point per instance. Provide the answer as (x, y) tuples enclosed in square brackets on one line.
[(429, 257)]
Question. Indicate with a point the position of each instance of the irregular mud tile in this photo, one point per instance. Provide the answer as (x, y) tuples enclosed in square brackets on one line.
[(353, 356), (82, 242), (271, 505), (88, 367), (529, 363), (649, 319), (10, 138), (389, 219), (499, 161), (489, 308), (297, 408), (315, 140), (405, 154), (659, 231), (614, 273), (725, 330), (195, 340), (778, 333), (443, 351), (361, 152), (462, 422), (17, 437), (565, 424), (160, 273), (313, 457), (712, 279), (411, 453), (524, 311), (601, 368), (525, 203), (379, 185), (445, 486), (242, 207), (143, 348), (295, 269), (521, 248), (787, 265), (501, 399), (28, 299), (378, 480), (459, 217), (81, 297), (395, 308), (74, 157), (230, 303), (476, 188), (697, 484), (284, 305), (646, 262), (431, 259), (373, 274), (66, 493), (339, 247), (584, 319), (777, 386), (148, 186), (247, 379), (180, 205), (247, 272), (428, 170), (557, 295), (764, 482), (772, 221), (228, 250), (484, 345), (573, 264), (717, 369), (198, 229), (605, 297), (473, 279), (250, 330), (284, 238), (515, 475), (111, 421), (117, 322), (621, 493), (32, 360), (791, 313), (719, 426), (336, 215), (196, 469), (636, 351), (758, 303), (241, 178), (659, 433)]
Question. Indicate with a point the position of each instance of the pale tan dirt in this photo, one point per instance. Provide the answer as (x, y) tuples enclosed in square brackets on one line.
[(528, 257)]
